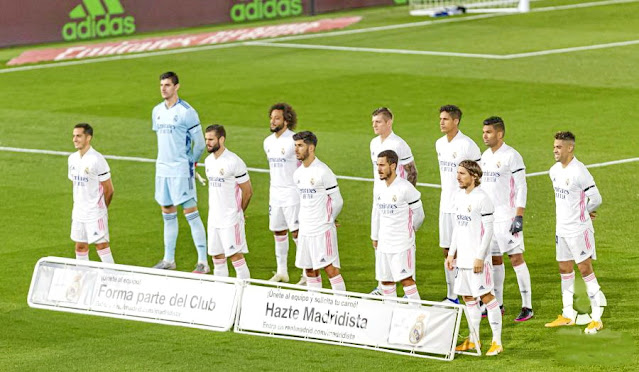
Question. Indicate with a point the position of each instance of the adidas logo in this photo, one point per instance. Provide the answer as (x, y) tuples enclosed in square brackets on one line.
[(583, 253), (184, 194), (403, 271), (259, 9), (511, 242), (95, 234), (481, 287), (92, 20), (322, 260)]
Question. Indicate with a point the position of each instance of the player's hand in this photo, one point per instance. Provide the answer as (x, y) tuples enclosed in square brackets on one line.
[(593, 215), (449, 262), (517, 225), (337, 224), (200, 179), (375, 244), (478, 266)]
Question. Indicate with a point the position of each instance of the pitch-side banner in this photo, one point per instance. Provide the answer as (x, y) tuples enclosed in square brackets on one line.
[(137, 293), (350, 319)]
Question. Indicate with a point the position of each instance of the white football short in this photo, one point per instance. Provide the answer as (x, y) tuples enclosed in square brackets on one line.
[(283, 218), (317, 251), (468, 283), (395, 267), (446, 225), (227, 240), (92, 232), (576, 248), (504, 242)]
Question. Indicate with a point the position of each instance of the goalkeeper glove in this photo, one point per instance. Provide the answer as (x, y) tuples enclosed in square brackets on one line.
[(517, 225)]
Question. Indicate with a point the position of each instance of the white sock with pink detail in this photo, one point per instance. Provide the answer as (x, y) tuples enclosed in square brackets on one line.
[(337, 283), (241, 269), (220, 268), (314, 281), (82, 256), (105, 255)]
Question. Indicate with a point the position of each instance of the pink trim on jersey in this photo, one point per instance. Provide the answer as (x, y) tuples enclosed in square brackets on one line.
[(582, 207), (512, 192), (587, 239), (238, 197), (410, 259), (329, 243), (101, 224), (410, 222), (482, 231), (401, 172), (488, 273), (329, 208), (238, 236), (101, 192)]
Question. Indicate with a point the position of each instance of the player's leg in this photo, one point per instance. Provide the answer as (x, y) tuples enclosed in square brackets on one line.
[(198, 233), (566, 263), (241, 268), (294, 234), (216, 251), (445, 235), (99, 235), (79, 236), (379, 290), (303, 261), (326, 254), (277, 224), (384, 276), (234, 243), (525, 287), (403, 269), (81, 251), (335, 278), (597, 298), (495, 321), (169, 216), (462, 287), (499, 273)]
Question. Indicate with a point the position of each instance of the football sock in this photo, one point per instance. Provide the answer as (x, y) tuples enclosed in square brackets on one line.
[(105, 255), (567, 294), (525, 288), (241, 269), (499, 275), (411, 292), (494, 318), (281, 253), (389, 290), (314, 281), (83, 256), (474, 315), (198, 233), (592, 287), (450, 281), (220, 268), (170, 235), (337, 283)]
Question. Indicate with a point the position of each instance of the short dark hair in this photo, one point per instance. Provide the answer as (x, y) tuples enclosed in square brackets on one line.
[(87, 128), (496, 122), (390, 155), (565, 136), (170, 75), (308, 137), (218, 129), (388, 114), (474, 169), (452, 110), (290, 116)]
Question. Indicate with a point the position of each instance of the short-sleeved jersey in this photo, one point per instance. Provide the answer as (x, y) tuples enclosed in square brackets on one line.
[(315, 184), (401, 148), (87, 173), (396, 233), (570, 185), (172, 125), (469, 211), (225, 174), (282, 163), (449, 155), (502, 170)]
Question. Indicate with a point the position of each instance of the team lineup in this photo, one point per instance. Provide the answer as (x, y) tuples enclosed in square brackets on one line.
[(481, 211)]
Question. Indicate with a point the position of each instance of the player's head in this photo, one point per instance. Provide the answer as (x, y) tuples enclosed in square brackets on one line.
[(387, 164), (215, 137), (82, 135), (564, 146), (382, 121), (282, 116), (494, 130), (449, 118), (469, 174), (169, 85), (305, 143)]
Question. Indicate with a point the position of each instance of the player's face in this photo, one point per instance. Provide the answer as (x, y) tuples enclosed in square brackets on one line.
[(384, 169), (302, 150), (382, 126), (562, 150), (212, 142), (81, 140), (446, 122), (168, 90), (464, 178), (491, 136), (277, 121)]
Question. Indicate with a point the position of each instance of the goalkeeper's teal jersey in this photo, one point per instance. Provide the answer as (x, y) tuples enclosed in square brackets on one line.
[(175, 128)]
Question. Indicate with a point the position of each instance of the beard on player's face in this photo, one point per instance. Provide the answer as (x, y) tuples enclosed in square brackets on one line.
[(277, 128), (214, 148)]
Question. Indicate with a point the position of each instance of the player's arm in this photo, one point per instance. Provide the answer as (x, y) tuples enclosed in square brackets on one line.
[(198, 142), (411, 172), (107, 187), (521, 194), (592, 193), (418, 213), (247, 192), (375, 225), (452, 250), (336, 200), (487, 219)]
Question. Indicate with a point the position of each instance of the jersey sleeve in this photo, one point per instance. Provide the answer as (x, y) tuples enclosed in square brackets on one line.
[(518, 171), (412, 195), (154, 124), (330, 181), (102, 169), (69, 169), (473, 151), (241, 173), (405, 155)]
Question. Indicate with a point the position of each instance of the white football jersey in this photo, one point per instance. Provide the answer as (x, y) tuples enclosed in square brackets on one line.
[(87, 172), (504, 180), (225, 197), (315, 184), (449, 155), (396, 233), (472, 211), (282, 163), (572, 184), (401, 148)]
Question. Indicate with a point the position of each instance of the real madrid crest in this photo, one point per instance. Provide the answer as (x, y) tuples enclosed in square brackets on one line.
[(221, 171), (394, 198), (498, 164), (283, 151), (417, 331), (567, 181), (469, 208), (454, 154), (312, 181), (86, 170)]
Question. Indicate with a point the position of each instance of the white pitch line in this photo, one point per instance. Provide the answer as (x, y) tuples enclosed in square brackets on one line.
[(261, 170), (571, 49)]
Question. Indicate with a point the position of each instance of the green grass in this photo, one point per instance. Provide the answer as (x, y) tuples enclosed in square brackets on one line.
[(593, 93)]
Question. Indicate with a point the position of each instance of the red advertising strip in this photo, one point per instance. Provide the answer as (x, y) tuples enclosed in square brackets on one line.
[(179, 41)]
